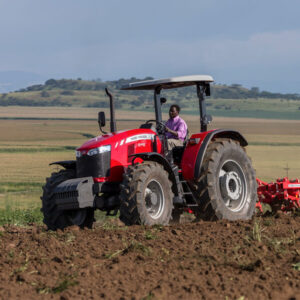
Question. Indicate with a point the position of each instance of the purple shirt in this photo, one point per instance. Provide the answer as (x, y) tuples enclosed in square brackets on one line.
[(176, 124)]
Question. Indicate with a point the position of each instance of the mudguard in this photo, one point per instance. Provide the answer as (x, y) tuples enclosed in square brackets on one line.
[(194, 153), (67, 164), (154, 156)]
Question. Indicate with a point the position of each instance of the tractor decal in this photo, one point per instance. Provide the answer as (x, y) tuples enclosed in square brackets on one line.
[(139, 137)]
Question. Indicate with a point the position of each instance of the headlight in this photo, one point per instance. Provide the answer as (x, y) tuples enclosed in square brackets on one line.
[(94, 151), (99, 150)]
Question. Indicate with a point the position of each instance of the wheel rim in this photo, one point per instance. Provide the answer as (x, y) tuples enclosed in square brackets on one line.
[(76, 217), (233, 186), (154, 198)]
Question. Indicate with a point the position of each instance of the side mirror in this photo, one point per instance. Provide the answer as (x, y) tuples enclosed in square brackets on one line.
[(163, 100), (101, 119), (207, 119)]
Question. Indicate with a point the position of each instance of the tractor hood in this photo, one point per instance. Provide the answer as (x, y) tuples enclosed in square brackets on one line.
[(118, 138), (105, 157)]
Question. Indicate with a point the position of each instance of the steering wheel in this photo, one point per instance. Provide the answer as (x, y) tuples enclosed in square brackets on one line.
[(160, 127)]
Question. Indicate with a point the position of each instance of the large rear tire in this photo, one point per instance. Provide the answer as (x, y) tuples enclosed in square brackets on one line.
[(227, 186), (146, 195), (60, 219)]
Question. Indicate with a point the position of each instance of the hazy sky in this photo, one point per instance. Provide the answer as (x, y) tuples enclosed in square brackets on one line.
[(254, 43)]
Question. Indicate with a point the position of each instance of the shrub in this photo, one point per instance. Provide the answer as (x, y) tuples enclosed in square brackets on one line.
[(67, 93), (45, 94)]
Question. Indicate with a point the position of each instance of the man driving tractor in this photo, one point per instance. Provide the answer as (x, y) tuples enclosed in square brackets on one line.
[(176, 128)]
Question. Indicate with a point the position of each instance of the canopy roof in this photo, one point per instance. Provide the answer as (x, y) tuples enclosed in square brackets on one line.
[(168, 83)]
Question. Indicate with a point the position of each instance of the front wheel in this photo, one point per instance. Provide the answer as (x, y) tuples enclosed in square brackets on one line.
[(227, 186), (60, 219), (146, 195)]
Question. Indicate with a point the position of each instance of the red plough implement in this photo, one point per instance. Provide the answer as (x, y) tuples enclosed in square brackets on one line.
[(283, 193)]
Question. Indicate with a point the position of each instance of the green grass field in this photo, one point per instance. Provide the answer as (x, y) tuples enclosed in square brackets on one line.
[(28, 146)]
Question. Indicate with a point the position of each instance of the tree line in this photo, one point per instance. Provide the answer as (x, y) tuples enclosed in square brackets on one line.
[(234, 91)]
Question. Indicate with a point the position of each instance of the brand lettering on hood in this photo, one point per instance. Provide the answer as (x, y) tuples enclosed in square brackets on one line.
[(139, 137)]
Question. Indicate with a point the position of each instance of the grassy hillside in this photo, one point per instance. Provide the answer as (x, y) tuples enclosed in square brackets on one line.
[(229, 101)]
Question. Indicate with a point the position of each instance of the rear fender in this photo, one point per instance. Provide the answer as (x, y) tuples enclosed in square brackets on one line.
[(154, 156), (193, 156), (67, 164)]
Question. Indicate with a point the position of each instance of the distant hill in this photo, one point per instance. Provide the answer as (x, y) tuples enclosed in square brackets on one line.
[(233, 100)]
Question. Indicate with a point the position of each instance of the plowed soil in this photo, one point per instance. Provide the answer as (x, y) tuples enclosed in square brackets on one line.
[(257, 259)]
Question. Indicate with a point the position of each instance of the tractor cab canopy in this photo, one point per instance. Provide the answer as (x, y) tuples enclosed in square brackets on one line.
[(168, 83), (203, 89)]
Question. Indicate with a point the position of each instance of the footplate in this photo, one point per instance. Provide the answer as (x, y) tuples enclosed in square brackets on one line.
[(74, 193)]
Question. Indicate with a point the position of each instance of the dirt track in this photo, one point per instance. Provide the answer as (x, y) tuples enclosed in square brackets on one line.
[(206, 260)]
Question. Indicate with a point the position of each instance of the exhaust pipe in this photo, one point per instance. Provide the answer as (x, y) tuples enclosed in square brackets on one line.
[(113, 127)]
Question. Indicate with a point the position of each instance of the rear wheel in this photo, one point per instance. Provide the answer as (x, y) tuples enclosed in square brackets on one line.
[(146, 195), (227, 186), (60, 219)]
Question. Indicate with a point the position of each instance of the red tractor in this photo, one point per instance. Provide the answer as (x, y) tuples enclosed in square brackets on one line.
[(134, 172)]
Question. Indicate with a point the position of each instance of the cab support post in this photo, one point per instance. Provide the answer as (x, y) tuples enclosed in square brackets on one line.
[(204, 118), (157, 103)]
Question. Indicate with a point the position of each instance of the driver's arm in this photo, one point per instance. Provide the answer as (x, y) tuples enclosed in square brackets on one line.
[(181, 131), (172, 131)]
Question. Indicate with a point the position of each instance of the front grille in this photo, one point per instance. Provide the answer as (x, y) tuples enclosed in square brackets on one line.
[(66, 195), (96, 165), (66, 200)]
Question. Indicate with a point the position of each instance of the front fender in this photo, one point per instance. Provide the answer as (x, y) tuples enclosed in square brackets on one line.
[(67, 164)]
